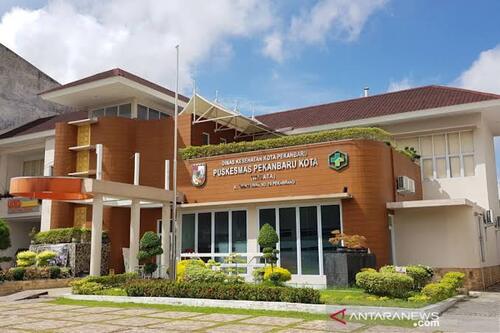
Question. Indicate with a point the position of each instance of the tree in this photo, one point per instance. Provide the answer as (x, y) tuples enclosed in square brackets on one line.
[(4, 235), (149, 248), (267, 240)]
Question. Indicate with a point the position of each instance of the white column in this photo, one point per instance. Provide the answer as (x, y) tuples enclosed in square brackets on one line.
[(47, 171), (165, 240), (252, 235), (96, 241), (99, 152), (135, 225)]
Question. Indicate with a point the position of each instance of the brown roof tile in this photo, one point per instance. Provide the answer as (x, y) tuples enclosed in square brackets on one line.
[(421, 98), (118, 72)]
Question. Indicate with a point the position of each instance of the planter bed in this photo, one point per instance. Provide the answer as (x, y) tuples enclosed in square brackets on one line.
[(10, 287)]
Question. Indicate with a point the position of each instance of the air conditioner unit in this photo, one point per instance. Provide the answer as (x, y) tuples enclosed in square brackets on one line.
[(405, 185), (489, 217), (497, 225)]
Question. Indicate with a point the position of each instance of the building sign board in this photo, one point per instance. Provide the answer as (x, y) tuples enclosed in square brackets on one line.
[(338, 160), (198, 174), (22, 205)]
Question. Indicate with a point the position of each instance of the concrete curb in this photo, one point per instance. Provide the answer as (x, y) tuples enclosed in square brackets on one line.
[(274, 306)]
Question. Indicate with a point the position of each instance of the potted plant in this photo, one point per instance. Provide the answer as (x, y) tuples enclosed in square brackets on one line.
[(348, 243)]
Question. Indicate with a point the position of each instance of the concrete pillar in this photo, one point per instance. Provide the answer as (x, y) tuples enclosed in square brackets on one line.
[(253, 234), (135, 226), (96, 240), (165, 241)]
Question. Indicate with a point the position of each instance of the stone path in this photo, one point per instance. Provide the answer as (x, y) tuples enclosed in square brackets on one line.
[(476, 315)]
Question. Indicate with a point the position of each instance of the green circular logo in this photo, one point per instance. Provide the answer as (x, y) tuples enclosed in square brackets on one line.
[(338, 160)]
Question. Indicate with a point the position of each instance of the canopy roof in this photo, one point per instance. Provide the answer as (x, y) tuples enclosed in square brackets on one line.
[(204, 110)]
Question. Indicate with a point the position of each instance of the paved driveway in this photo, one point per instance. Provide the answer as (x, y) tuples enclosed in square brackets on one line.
[(476, 315)]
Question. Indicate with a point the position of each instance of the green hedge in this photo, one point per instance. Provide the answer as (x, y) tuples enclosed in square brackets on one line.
[(367, 133), (64, 235), (445, 288), (238, 291), (94, 285), (421, 274), (385, 283)]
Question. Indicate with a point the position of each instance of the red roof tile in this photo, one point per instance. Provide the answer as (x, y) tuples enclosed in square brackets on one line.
[(415, 99), (118, 72)]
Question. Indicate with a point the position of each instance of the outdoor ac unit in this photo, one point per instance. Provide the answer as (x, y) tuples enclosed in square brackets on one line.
[(497, 225), (405, 185), (489, 217)]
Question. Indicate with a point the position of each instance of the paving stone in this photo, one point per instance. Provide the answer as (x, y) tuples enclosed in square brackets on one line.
[(183, 325), (276, 321), (329, 325), (40, 325), (94, 328), (29, 305), (173, 314), (50, 315), (12, 320), (96, 309), (62, 307), (92, 317), (221, 317), (151, 330), (24, 312), (136, 321), (299, 330), (137, 312), (240, 328)]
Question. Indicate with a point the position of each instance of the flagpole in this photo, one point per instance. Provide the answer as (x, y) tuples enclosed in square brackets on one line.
[(176, 111)]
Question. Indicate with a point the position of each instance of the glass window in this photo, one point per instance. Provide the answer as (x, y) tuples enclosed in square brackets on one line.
[(98, 113), (426, 145), (205, 139), (288, 239), (467, 142), (455, 166), (309, 240), (268, 216), (330, 221), (125, 111), (112, 111), (33, 168), (187, 244), (142, 112), (163, 115), (153, 114), (408, 142), (221, 232), (427, 168), (204, 232), (239, 231), (441, 167), (439, 145), (453, 144), (469, 166)]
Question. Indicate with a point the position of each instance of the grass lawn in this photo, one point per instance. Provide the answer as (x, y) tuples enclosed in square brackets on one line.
[(285, 314), (355, 296)]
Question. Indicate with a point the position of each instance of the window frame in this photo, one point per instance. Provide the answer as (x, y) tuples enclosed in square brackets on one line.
[(205, 135)]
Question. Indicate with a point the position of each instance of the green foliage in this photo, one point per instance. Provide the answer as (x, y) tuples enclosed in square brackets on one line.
[(183, 264), (26, 258), (65, 235), (421, 274), (360, 133), (456, 279), (94, 285), (16, 273), (419, 298), (2, 276), (43, 258), (410, 152), (54, 272), (267, 236), (5, 259), (241, 291), (196, 274), (4, 235), (438, 291), (385, 283), (277, 275), (149, 248)]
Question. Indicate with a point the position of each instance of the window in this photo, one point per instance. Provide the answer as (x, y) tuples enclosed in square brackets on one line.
[(125, 111), (239, 231), (147, 113), (221, 232), (33, 168), (205, 139), (204, 233), (444, 155), (188, 233), (122, 110), (303, 233), (142, 112)]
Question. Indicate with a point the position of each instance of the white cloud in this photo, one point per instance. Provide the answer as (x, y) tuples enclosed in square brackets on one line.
[(69, 39), (273, 46), (325, 20), (484, 73), (402, 84)]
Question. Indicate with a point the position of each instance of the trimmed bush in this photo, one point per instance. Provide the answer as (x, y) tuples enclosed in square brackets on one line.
[(438, 291), (43, 258), (277, 275), (90, 285), (183, 264), (25, 258), (360, 133), (82, 287), (4, 235), (385, 283), (421, 274), (54, 272), (456, 279), (242, 291), (149, 248), (16, 273), (65, 235)]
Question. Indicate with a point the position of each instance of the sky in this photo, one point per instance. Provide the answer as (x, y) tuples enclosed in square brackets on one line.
[(262, 56)]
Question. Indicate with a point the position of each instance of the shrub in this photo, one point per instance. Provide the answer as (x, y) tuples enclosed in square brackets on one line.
[(456, 279), (54, 272), (26, 258), (36, 273), (421, 274), (360, 133), (277, 275), (419, 298), (149, 248), (385, 283), (243, 291), (90, 285), (65, 235), (82, 287), (4, 235), (2, 276), (43, 258), (267, 240), (183, 264), (438, 291), (16, 273)]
